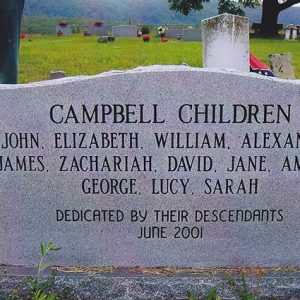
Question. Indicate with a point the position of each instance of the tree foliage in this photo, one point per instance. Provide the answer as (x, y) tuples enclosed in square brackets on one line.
[(270, 10), (229, 6)]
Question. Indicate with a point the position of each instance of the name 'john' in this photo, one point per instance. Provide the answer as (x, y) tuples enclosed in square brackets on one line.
[(19, 140)]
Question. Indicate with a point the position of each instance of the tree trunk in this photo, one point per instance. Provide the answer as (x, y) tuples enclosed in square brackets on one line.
[(10, 22), (270, 12)]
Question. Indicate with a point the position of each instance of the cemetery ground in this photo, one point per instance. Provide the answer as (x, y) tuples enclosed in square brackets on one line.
[(78, 55)]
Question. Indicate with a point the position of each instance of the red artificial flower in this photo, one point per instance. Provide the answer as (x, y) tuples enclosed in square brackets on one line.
[(98, 23), (146, 38), (63, 23)]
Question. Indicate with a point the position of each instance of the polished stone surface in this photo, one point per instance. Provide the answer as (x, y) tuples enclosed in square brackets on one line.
[(30, 199)]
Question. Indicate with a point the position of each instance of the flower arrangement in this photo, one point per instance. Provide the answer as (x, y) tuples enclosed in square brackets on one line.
[(162, 31), (63, 23), (146, 38), (164, 40), (98, 23)]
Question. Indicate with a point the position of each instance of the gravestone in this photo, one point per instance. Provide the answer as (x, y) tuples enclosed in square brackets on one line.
[(119, 173), (291, 32), (65, 30), (282, 65), (100, 30), (125, 31), (190, 35), (226, 42), (173, 33)]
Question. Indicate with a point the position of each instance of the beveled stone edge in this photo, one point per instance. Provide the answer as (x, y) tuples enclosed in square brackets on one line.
[(145, 69)]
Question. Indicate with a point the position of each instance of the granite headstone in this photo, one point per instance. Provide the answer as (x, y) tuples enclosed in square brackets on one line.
[(121, 171), (125, 31), (65, 30), (100, 30), (189, 35), (173, 33)]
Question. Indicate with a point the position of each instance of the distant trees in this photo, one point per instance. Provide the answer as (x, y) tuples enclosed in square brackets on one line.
[(270, 10)]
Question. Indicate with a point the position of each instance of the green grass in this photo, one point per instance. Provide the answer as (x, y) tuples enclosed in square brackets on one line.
[(78, 55)]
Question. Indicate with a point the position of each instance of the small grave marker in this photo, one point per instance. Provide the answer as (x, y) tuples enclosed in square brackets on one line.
[(282, 66)]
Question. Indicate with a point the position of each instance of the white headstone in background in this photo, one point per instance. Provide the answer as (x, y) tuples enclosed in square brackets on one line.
[(295, 33), (226, 42), (287, 34), (291, 32)]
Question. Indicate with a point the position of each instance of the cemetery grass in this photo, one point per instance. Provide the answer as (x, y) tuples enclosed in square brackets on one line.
[(78, 55)]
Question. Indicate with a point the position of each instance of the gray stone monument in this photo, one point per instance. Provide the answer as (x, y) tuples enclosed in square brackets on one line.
[(282, 65), (65, 30), (226, 42), (173, 33), (204, 174), (189, 35), (100, 30), (125, 31)]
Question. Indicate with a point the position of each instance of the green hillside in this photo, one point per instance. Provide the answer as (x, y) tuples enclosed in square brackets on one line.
[(140, 11)]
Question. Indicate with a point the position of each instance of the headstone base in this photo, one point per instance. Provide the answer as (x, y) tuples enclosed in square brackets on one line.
[(160, 283)]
